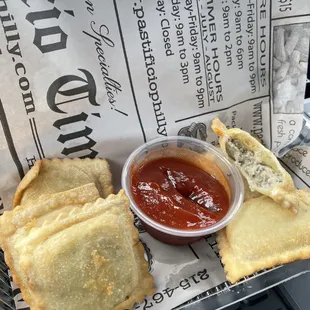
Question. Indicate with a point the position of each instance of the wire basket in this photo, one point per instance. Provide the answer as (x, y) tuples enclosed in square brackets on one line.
[(6, 293), (226, 294)]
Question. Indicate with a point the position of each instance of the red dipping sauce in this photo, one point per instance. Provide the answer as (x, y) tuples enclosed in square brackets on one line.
[(177, 194)]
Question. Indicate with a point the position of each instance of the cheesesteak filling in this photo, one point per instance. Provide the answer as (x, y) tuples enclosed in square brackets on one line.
[(260, 174)]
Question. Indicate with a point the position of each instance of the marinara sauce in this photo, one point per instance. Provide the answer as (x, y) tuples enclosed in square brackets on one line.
[(177, 194)]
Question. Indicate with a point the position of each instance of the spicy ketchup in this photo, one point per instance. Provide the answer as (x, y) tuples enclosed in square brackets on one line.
[(178, 194)]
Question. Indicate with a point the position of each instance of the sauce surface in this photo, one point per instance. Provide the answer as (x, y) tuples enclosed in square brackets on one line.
[(179, 195)]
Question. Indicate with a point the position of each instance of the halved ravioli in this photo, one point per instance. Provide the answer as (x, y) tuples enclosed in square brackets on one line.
[(50, 176), (263, 235), (258, 165)]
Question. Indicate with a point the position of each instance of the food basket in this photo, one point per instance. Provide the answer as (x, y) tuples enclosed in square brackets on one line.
[(224, 294), (218, 297)]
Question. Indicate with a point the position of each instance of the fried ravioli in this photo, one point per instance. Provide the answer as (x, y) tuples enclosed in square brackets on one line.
[(49, 176), (258, 166), (263, 235), (85, 256)]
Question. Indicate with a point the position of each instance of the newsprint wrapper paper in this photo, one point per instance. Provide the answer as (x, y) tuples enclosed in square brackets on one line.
[(97, 78)]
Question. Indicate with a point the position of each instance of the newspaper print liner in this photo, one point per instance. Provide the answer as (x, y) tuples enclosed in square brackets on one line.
[(44, 115)]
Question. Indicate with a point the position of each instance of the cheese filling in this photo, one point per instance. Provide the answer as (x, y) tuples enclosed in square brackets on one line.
[(258, 173)]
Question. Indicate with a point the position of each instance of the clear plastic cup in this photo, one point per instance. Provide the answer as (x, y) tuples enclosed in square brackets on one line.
[(183, 236)]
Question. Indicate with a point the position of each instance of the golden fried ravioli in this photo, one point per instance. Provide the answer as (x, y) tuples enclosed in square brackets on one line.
[(51, 207), (263, 235), (49, 176), (76, 257), (258, 165)]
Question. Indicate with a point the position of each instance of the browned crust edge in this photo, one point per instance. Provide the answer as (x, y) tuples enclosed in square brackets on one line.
[(236, 269), (34, 172)]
